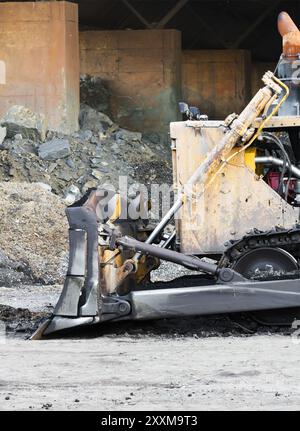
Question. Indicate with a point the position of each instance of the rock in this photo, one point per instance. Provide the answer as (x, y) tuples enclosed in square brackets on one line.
[(90, 119), (127, 135), (95, 140), (65, 174), (2, 134), (153, 137), (87, 159), (21, 120), (72, 194), (116, 148), (18, 137), (20, 146), (54, 149), (51, 168), (91, 184), (97, 174), (99, 151), (95, 161), (70, 163), (87, 135)]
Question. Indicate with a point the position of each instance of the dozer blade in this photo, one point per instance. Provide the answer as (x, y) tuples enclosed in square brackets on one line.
[(80, 300)]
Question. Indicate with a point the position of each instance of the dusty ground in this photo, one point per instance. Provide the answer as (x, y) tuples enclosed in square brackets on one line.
[(202, 363), (126, 373)]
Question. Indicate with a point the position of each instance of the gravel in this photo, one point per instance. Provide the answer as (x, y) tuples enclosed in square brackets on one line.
[(33, 234)]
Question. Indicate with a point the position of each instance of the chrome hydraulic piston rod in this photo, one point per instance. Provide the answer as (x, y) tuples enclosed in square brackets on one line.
[(277, 162)]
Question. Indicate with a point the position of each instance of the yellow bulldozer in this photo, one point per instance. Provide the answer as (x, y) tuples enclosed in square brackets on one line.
[(235, 220)]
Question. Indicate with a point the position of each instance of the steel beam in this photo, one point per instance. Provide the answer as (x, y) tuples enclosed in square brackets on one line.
[(207, 27), (172, 12), (191, 262), (137, 14), (255, 24)]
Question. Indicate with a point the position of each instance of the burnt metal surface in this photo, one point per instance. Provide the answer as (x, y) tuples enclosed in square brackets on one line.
[(59, 323), (230, 206), (280, 122), (80, 296), (287, 239), (191, 262), (287, 73), (288, 63), (290, 35), (266, 260), (77, 252), (68, 301), (213, 299), (114, 307)]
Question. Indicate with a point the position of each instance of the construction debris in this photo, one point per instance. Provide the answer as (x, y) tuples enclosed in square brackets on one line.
[(33, 227), (93, 120), (13, 273), (127, 136), (33, 235), (20, 120), (54, 149), (98, 153)]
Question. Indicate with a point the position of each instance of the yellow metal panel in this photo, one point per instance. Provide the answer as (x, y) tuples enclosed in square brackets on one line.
[(236, 202), (250, 155)]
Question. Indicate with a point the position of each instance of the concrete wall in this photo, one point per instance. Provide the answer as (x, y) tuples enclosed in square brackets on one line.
[(142, 70), (39, 50), (217, 81), (145, 70)]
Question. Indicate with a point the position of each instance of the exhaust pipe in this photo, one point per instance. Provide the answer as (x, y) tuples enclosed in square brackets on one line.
[(290, 35)]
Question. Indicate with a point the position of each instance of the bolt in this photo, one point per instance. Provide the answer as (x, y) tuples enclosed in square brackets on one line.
[(123, 307), (128, 267), (226, 274)]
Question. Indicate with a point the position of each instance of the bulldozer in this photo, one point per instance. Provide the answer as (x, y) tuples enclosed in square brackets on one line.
[(234, 220)]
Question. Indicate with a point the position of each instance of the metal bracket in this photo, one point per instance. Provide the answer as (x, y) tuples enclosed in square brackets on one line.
[(226, 275), (268, 80), (113, 307)]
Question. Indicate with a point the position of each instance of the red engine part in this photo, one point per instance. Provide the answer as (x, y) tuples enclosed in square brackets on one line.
[(273, 180)]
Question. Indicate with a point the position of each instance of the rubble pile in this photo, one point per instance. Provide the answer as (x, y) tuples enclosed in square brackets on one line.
[(33, 235), (99, 152), (42, 171)]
